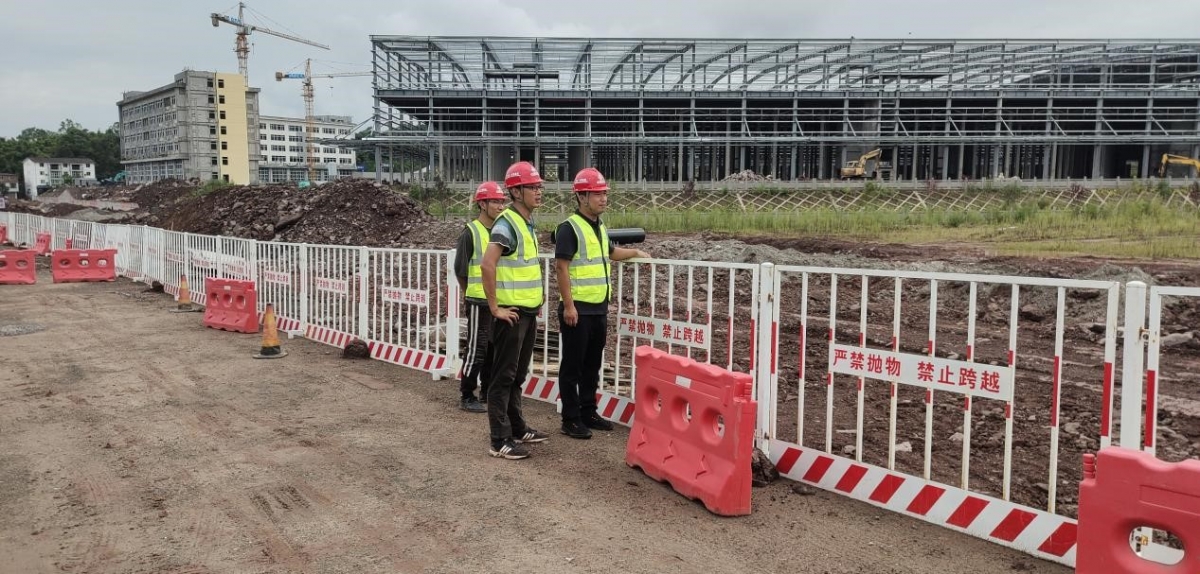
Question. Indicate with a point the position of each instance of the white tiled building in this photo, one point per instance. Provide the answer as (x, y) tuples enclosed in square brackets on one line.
[(50, 171), (284, 149)]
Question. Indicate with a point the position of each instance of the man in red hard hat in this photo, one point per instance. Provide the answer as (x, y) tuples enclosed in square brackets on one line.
[(468, 257), (582, 252), (513, 285)]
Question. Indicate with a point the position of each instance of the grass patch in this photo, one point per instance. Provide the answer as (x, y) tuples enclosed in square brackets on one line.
[(210, 187), (1147, 229)]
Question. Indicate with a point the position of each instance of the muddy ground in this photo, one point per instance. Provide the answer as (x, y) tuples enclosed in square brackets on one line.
[(137, 441)]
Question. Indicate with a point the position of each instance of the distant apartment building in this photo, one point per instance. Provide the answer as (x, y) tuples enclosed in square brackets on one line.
[(8, 183), (283, 145), (52, 171), (203, 125)]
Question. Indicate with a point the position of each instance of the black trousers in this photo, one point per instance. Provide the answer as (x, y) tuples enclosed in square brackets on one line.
[(512, 349), (579, 371), (476, 356)]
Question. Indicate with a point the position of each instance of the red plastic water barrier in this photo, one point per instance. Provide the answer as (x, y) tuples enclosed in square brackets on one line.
[(83, 265), (1125, 489), (41, 243), (18, 267), (231, 305), (68, 244), (694, 428), (3, 234)]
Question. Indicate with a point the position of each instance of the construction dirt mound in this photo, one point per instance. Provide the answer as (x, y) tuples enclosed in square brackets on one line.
[(347, 212)]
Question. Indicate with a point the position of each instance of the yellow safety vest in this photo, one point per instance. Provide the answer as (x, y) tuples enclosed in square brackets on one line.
[(479, 242), (589, 268), (519, 275)]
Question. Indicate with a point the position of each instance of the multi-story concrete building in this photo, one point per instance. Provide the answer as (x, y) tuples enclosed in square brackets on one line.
[(283, 146), (8, 183), (663, 109), (204, 125), (52, 171)]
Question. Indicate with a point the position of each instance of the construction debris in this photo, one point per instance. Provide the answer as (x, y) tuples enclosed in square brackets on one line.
[(748, 175), (346, 212)]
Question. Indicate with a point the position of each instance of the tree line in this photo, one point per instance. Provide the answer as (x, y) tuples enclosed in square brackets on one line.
[(71, 140)]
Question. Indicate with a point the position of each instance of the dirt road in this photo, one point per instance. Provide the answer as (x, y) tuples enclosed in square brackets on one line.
[(136, 441)]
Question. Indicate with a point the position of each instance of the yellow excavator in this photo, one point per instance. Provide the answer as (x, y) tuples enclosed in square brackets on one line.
[(857, 168), (1168, 159)]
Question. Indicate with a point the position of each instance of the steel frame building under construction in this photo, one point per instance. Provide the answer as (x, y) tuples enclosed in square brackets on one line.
[(702, 109)]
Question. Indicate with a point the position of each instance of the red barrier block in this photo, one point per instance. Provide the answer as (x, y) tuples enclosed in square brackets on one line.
[(18, 267), (1125, 489), (41, 243), (694, 428), (231, 305), (83, 265), (3, 234)]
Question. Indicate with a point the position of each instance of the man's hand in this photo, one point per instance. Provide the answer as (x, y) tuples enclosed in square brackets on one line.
[(570, 315), (505, 314), (642, 254)]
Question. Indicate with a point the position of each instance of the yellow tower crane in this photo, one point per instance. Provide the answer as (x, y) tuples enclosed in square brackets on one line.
[(242, 44), (307, 92)]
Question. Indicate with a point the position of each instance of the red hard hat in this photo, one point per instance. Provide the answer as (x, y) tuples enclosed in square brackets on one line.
[(521, 173), (488, 190), (589, 179)]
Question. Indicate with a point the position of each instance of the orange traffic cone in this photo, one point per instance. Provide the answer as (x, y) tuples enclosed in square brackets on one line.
[(270, 339), (185, 298)]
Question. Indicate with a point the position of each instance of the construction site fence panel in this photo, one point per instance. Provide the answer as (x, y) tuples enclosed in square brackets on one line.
[(939, 396), (858, 355)]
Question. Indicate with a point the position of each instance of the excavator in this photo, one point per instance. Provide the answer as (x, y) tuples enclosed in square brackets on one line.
[(1177, 159), (857, 168)]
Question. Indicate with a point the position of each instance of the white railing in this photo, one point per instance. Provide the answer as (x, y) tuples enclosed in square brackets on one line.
[(976, 367)]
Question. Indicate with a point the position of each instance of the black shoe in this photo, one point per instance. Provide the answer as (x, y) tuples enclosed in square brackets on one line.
[(596, 422), (576, 429), (472, 406), (508, 449), (530, 436)]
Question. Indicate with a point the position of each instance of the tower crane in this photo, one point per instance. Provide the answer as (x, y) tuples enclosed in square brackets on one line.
[(242, 45), (307, 92)]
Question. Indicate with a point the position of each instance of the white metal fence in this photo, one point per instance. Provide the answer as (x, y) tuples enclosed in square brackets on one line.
[(394, 300), (936, 395)]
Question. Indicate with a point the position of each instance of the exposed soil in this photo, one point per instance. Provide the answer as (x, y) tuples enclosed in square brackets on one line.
[(136, 441), (362, 213)]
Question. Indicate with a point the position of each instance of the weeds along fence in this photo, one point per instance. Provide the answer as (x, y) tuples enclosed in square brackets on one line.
[(774, 197)]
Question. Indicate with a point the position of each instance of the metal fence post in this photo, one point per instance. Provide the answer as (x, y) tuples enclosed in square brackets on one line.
[(304, 311), (364, 283), (1131, 365), (764, 376), (453, 300)]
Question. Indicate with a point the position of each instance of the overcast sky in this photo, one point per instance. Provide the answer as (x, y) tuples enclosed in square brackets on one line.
[(73, 58)]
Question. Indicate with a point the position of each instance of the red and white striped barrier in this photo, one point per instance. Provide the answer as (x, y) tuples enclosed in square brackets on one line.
[(328, 336), (406, 357), (1041, 534), (615, 408)]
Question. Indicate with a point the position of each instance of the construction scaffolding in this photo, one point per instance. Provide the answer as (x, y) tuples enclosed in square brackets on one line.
[(655, 110)]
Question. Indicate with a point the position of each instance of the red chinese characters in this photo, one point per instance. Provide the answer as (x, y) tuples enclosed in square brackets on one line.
[(925, 371)]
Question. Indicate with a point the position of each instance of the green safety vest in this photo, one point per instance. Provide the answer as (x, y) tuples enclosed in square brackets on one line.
[(519, 275), (479, 242), (589, 268)]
